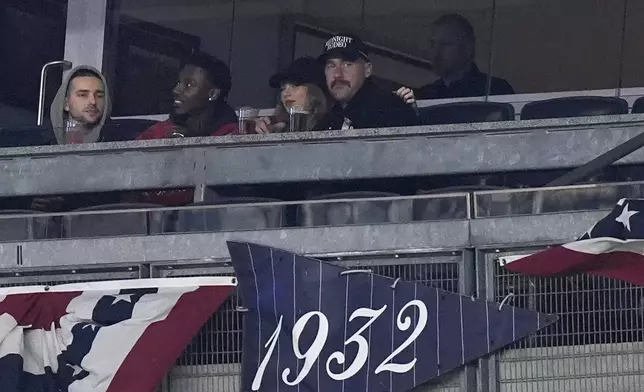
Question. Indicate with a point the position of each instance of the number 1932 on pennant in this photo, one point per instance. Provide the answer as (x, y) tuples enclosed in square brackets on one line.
[(291, 377)]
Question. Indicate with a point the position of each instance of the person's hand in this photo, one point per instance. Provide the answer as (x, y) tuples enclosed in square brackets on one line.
[(263, 125), (47, 204), (407, 95)]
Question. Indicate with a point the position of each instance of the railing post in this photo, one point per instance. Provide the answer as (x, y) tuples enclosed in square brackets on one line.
[(467, 286), (488, 366), (199, 175)]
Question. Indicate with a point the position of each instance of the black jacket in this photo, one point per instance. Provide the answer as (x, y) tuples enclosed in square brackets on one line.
[(474, 84), (371, 107)]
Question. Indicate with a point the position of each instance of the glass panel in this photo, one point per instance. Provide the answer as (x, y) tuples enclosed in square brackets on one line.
[(259, 41), (255, 39), (555, 45), (554, 200), (32, 33), (633, 57), (414, 28), (106, 215), (334, 15), (155, 36), (394, 65)]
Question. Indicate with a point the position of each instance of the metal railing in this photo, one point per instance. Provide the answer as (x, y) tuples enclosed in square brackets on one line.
[(314, 156), (598, 344), (241, 214), (235, 214), (555, 199)]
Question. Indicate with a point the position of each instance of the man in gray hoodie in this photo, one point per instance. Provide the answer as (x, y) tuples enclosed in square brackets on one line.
[(78, 113), (81, 107)]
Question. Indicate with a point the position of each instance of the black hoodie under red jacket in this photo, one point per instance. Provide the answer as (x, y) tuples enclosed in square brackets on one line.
[(371, 107)]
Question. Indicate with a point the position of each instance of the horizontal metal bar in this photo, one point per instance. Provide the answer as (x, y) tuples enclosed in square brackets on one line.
[(397, 262), (442, 236), (71, 277), (532, 229), (192, 271), (354, 241), (229, 141), (403, 253), (371, 258), (546, 189), (210, 207), (414, 156), (314, 156), (97, 172)]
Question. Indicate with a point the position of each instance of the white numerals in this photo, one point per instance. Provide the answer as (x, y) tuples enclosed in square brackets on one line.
[(404, 325), (272, 341), (363, 345), (312, 354)]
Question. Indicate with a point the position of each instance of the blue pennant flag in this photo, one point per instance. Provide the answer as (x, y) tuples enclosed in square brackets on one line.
[(313, 326)]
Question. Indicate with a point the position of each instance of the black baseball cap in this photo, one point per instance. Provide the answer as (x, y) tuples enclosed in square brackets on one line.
[(345, 46), (302, 71)]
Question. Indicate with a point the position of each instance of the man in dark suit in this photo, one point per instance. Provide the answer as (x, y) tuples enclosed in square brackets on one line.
[(453, 44)]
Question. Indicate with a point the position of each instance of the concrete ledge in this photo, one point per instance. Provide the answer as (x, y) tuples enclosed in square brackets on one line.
[(315, 156)]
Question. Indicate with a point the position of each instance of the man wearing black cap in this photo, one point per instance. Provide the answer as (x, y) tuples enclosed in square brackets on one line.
[(358, 102)]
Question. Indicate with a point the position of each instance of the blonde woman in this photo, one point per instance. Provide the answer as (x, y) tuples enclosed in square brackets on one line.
[(299, 93)]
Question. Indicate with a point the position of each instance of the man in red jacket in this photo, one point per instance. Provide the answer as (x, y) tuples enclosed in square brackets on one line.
[(200, 107)]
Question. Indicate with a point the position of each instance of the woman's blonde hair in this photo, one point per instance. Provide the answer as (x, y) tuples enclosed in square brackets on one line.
[(316, 104)]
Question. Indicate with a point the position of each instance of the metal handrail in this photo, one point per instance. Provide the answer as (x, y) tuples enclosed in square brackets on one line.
[(556, 188), (43, 82), (215, 206), (539, 193)]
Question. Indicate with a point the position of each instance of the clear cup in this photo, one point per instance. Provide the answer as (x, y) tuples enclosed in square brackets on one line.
[(247, 117), (297, 118), (74, 134)]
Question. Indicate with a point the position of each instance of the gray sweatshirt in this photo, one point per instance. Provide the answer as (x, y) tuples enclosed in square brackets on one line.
[(58, 116)]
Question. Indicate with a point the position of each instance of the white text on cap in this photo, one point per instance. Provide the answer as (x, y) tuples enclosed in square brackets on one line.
[(338, 42)]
